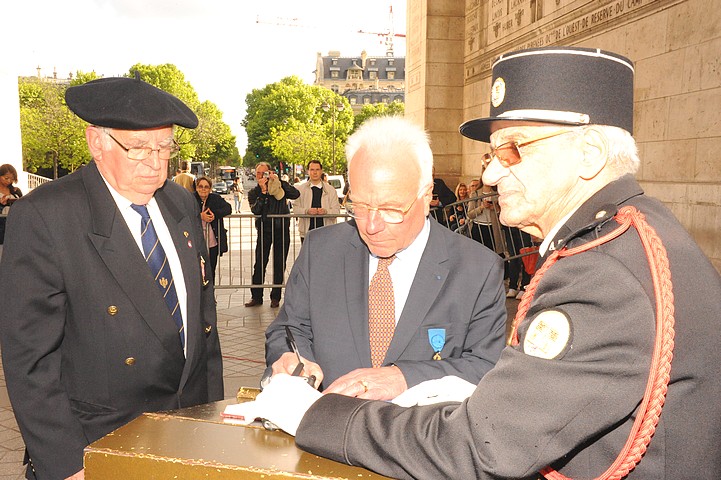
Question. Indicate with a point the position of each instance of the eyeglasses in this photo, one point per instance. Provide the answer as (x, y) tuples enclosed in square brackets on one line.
[(202, 187), (512, 154), (143, 153), (388, 214)]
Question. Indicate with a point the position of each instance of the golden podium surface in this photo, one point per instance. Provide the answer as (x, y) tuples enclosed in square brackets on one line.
[(195, 443)]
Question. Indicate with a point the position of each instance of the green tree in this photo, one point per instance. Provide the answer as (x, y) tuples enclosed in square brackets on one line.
[(291, 110), (298, 143), (378, 110), (52, 136), (212, 141)]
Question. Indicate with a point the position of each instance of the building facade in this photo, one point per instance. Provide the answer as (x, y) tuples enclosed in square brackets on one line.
[(362, 80), (675, 46)]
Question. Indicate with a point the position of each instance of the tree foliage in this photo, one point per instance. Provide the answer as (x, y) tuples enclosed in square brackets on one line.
[(52, 136), (378, 110), (285, 122), (212, 141)]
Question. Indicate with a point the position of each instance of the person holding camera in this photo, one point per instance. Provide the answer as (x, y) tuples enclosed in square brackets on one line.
[(270, 197)]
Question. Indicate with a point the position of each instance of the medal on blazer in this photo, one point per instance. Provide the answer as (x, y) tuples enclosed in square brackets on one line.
[(437, 339)]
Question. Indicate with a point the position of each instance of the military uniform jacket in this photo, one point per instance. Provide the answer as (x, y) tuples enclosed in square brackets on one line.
[(88, 343), (574, 411), (458, 287)]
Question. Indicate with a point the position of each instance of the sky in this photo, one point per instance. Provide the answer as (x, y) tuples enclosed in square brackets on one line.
[(225, 48)]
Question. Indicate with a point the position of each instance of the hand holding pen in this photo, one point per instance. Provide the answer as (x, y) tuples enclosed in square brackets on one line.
[(282, 366), (288, 363), (299, 368)]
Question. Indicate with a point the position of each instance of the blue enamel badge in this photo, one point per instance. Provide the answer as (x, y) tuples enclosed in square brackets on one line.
[(437, 339)]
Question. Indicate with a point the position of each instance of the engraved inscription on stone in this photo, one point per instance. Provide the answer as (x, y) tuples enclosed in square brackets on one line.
[(509, 19)]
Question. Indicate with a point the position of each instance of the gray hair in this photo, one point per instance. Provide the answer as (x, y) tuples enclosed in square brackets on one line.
[(384, 133), (622, 151)]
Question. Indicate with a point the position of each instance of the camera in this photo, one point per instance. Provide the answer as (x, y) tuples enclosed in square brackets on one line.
[(266, 174)]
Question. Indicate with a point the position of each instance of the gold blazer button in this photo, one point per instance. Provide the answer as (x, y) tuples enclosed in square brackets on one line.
[(130, 361), (112, 310)]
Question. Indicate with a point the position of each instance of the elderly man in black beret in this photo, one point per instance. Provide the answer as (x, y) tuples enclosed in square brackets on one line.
[(108, 307), (612, 367)]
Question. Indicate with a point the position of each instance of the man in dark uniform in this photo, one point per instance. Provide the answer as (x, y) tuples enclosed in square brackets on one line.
[(621, 291), (89, 338)]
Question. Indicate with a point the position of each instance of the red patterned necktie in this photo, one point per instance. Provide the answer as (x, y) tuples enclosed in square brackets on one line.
[(381, 311)]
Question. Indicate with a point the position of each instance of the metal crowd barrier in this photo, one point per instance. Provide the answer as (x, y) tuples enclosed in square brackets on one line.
[(235, 267), (506, 241)]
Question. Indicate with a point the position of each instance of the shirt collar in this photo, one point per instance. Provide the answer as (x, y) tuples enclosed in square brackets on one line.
[(416, 248), (548, 242)]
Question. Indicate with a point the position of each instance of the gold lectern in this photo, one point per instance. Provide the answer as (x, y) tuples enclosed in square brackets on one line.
[(195, 443)]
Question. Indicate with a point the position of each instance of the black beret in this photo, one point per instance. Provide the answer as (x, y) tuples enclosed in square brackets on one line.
[(128, 104), (558, 85)]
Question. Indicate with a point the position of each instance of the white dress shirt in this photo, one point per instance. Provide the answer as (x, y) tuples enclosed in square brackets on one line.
[(404, 267), (133, 220)]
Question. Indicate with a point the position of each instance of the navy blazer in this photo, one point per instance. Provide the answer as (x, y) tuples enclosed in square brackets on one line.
[(458, 287), (88, 343)]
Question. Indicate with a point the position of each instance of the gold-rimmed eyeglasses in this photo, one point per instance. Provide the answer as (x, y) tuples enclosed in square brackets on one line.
[(509, 153), (143, 153), (388, 214)]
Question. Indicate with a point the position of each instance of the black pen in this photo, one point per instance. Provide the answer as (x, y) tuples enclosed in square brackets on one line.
[(294, 347)]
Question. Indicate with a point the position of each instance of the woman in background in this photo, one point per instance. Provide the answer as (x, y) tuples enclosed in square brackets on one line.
[(212, 210), (8, 194), (457, 214), (482, 212), (237, 189)]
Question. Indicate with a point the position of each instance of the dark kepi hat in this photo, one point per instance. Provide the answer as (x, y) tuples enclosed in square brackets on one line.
[(128, 104), (557, 85)]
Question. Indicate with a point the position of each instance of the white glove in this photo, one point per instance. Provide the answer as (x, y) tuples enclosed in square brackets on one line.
[(446, 389), (283, 402)]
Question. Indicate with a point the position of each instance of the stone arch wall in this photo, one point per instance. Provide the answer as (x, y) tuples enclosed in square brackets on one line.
[(675, 47)]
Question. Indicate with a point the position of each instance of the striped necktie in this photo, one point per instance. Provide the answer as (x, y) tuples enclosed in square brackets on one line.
[(381, 311), (160, 268)]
